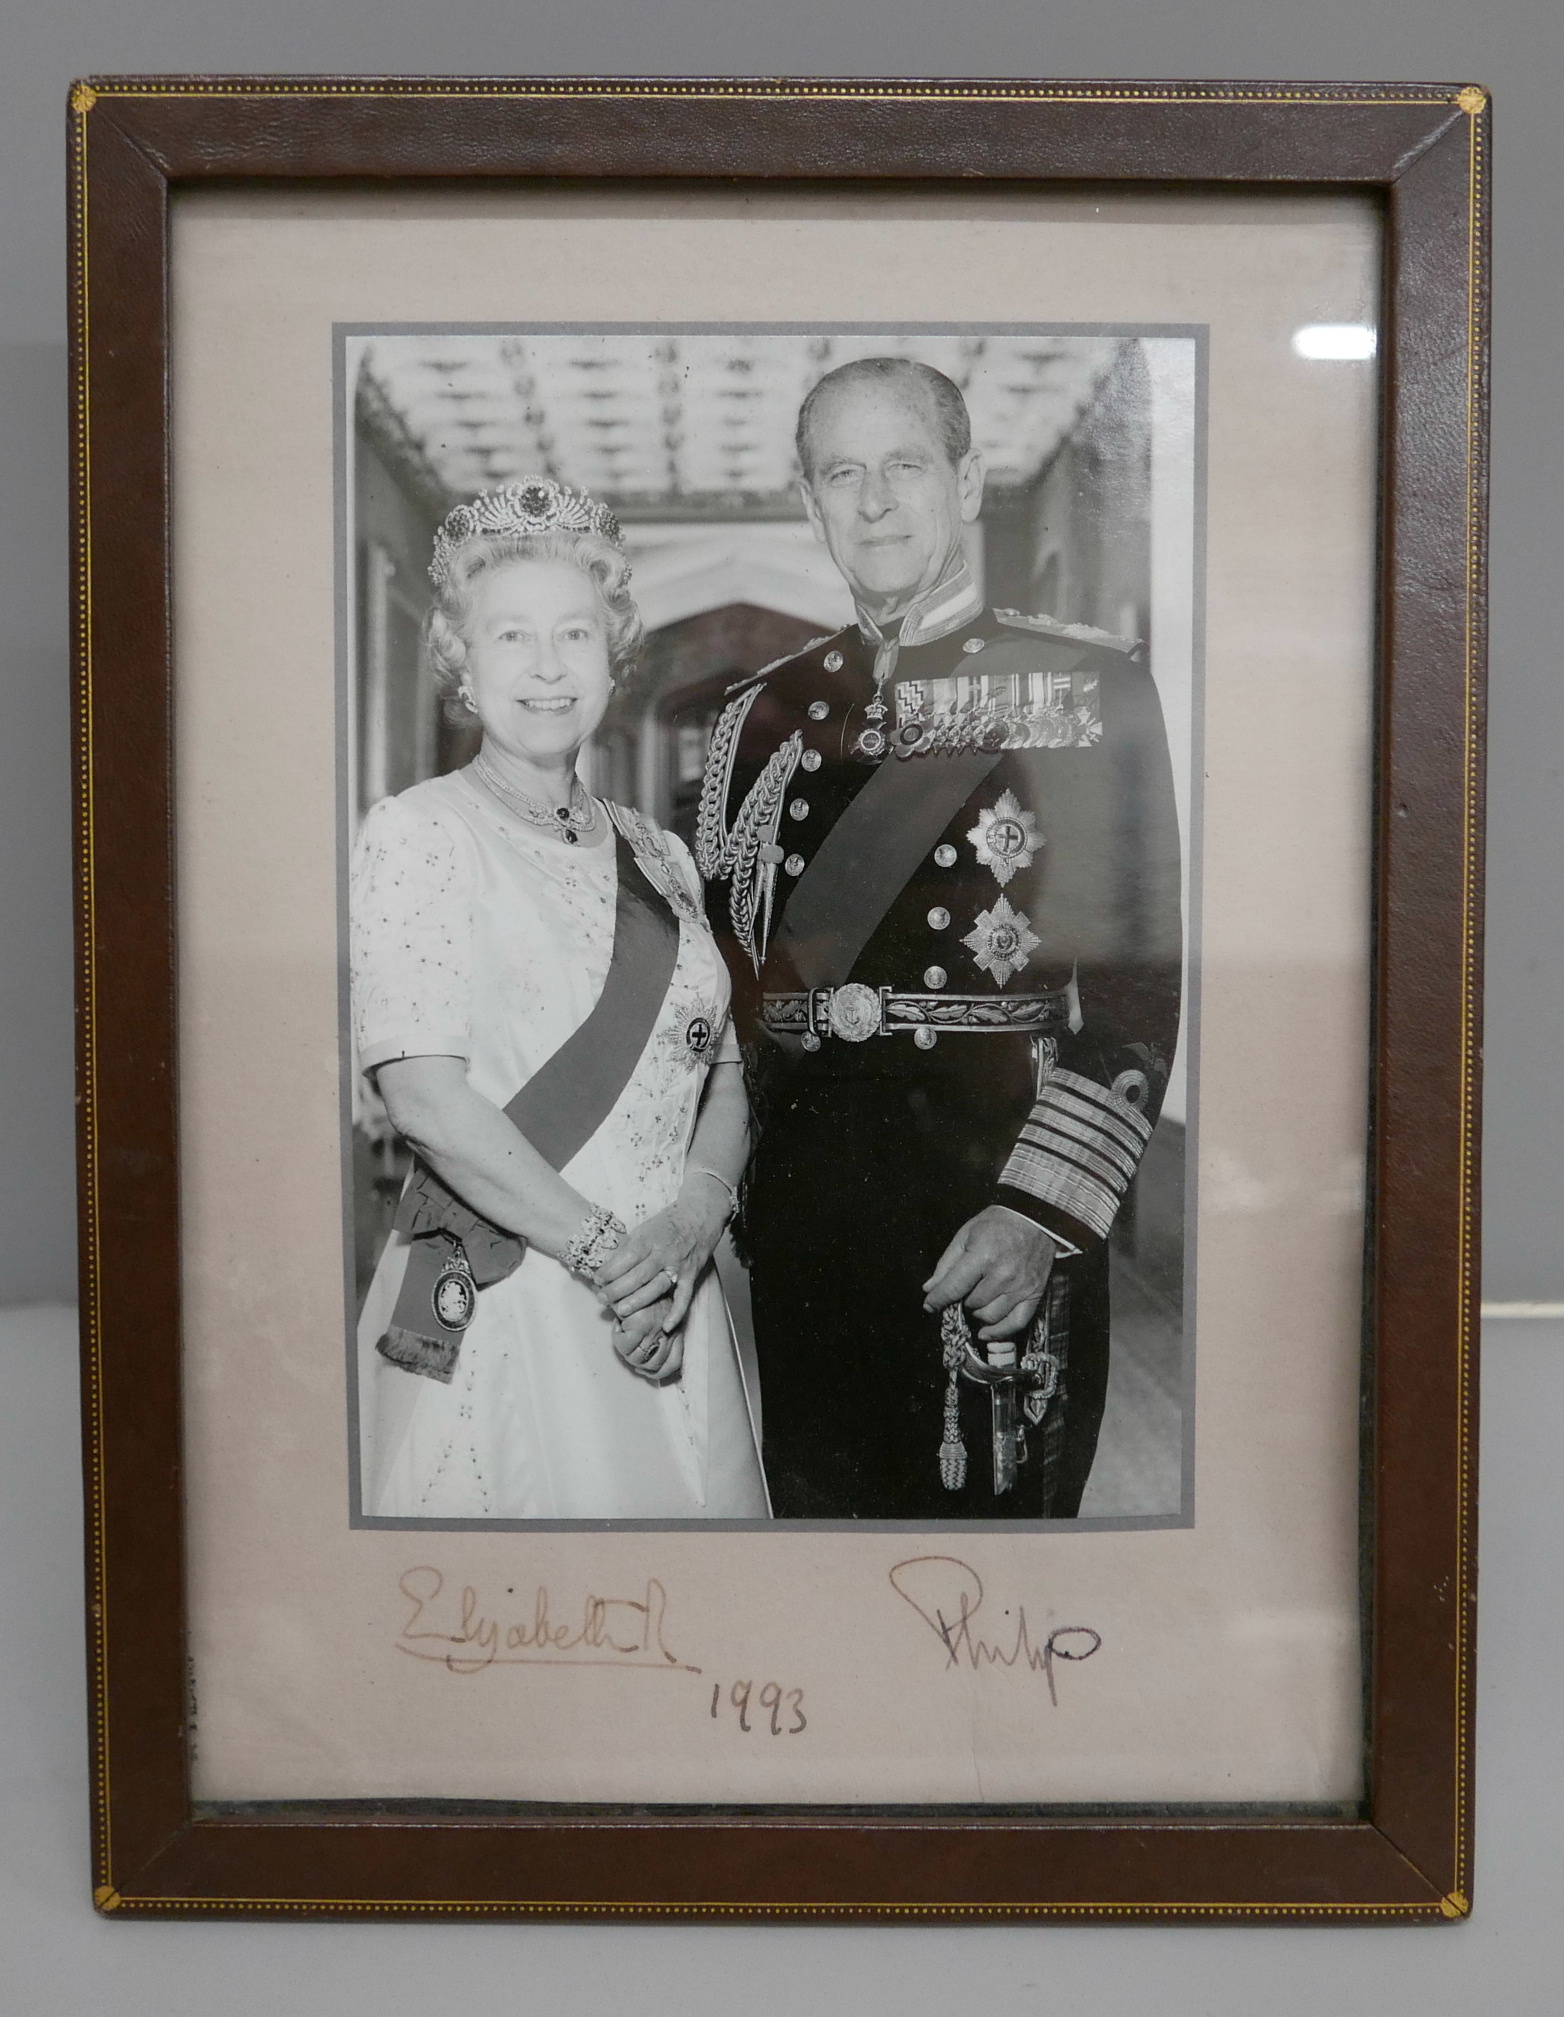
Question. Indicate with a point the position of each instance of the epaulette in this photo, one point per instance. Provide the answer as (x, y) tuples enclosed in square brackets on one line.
[(787, 658), (1071, 633)]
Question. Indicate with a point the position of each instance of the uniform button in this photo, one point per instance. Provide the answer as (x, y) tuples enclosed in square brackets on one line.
[(935, 976), (939, 917), (818, 710), (810, 759), (794, 864), (833, 663), (972, 644), (925, 1038), (810, 1041), (799, 809), (945, 855)]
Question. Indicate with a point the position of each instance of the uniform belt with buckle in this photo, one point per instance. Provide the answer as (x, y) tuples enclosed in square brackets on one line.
[(856, 1012)]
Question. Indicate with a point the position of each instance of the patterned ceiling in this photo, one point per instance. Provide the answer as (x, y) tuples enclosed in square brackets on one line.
[(671, 425)]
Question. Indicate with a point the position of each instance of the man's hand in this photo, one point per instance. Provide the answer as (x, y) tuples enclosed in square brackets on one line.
[(998, 1265)]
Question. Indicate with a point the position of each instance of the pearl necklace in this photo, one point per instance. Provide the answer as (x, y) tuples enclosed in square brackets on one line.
[(568, 822)]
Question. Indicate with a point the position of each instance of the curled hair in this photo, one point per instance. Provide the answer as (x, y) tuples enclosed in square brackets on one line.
[(942, 395), (445, 627)]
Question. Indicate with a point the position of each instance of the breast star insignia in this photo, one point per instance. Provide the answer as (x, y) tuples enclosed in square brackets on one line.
[(1002, 940), (1006, 837), (695, 1032)]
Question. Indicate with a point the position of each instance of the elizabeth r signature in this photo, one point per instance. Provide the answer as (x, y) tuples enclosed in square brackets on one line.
[(612, 1632)]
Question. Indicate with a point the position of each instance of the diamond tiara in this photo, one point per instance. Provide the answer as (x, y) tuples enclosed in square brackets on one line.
[(538, 505)]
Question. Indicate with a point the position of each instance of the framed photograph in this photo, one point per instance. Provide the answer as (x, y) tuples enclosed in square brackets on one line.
[(779, 843)]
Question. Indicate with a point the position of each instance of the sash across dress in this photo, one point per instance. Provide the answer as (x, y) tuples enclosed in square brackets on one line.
[(475, 936)]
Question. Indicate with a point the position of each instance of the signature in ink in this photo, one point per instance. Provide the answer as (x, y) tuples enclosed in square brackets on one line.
[(466, 1636), (947, 1595)]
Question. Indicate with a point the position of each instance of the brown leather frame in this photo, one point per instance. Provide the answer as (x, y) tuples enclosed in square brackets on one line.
[(1423, 149)]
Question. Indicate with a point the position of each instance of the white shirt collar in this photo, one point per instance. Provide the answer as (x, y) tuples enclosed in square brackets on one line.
[(952, 601)]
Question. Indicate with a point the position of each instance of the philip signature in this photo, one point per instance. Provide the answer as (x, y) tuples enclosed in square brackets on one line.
[(947, 1594), (613, 1632)]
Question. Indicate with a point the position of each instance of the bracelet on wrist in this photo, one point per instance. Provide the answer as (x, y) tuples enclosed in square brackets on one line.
[(700, 1170), (600, 1233)]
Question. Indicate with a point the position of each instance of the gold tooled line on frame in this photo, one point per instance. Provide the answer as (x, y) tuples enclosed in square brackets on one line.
[(766, 90), (83, 97), (1473, 102), (1454, 1904)]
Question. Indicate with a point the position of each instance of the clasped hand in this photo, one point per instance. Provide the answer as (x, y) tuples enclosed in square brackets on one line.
[(998, 1265), (649, 1279)]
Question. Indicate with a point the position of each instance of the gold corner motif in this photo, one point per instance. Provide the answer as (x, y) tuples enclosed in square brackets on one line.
[(1473, 99), (1456, 1905), (83, 98), (107, 1899)]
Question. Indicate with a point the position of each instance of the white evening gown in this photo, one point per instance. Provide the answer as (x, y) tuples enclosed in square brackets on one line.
[(476, 936)]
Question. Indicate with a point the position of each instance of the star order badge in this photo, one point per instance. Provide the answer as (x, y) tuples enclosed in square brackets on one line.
[(696, 1032), (1006, 837), (1002, 940)]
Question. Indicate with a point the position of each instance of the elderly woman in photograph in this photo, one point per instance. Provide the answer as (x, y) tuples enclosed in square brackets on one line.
[(545, 1015)]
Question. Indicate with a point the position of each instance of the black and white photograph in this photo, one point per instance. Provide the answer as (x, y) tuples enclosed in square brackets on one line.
[(770, 855)]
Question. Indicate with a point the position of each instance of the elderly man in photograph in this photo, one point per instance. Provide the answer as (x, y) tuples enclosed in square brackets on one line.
[(943, 863)]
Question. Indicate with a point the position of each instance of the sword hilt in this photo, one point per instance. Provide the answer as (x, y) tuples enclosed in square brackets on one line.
[(1015, 1384)]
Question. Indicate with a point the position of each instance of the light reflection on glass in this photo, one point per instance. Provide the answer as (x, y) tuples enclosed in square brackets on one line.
[(1336, 341)]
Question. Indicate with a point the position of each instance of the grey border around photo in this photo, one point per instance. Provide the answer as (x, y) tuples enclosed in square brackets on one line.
[(1198, 333)]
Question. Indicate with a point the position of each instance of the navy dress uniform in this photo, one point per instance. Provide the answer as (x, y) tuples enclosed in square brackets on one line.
[(944, 871)]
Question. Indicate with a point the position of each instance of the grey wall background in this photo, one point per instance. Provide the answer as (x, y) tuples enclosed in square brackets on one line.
[(53, 1957), (1516, 47)]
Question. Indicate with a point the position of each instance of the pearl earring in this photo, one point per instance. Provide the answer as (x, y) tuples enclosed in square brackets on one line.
[(464, 695)]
